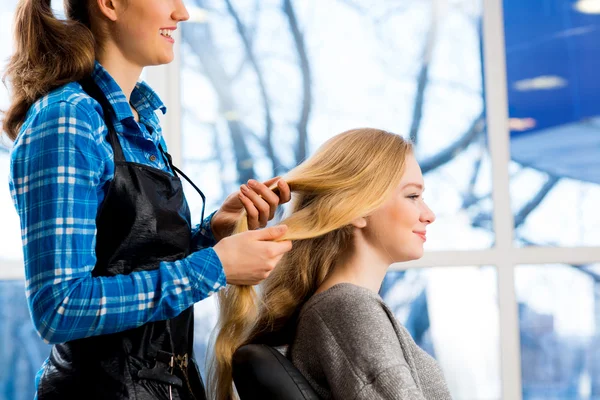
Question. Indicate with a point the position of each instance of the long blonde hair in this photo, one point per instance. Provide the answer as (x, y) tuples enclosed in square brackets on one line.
[(348, 177)]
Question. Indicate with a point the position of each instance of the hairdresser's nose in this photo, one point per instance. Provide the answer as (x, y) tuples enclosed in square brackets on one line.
[(180, 13), (427, 216)]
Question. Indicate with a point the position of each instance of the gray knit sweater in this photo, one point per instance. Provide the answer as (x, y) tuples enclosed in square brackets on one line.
[(350, 347)]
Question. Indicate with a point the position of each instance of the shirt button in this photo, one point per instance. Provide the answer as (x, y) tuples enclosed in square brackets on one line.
[(152, 158)]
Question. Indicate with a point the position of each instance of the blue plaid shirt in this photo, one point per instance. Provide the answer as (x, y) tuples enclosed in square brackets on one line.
[(61, 165)]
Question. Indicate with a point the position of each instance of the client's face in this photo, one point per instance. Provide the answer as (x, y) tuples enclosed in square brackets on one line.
[(398, 227)]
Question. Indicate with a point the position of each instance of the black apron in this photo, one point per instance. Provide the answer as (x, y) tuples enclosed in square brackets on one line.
[(143, 220)]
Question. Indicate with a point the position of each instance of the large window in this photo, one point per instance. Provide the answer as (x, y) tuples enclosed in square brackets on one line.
[(263, 85), (252, 106)]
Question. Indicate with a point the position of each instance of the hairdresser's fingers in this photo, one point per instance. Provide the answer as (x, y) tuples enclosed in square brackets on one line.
[(285, 193), (284, 246), (261, 204), (267, 195), (251, 211), (272, 181), (274, 251), (258, 211), (272, 233), (272, 266)]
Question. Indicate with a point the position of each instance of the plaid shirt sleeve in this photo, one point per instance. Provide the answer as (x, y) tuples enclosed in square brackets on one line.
[(57, 165), (202, 235)]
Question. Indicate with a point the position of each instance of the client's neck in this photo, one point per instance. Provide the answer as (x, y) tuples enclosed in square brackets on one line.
[(363, 267)]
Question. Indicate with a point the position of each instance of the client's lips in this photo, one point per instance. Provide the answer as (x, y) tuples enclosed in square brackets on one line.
[(421, 234)]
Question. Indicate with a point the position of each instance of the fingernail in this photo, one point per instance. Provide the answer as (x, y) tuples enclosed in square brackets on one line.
[(244, 188), (280, 183), (252, 183)]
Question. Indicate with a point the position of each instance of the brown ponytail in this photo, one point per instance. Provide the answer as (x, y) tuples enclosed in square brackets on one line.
[(48, 53)]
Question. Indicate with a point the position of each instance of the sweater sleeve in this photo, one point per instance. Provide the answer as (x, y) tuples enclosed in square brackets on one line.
[(394, 383), (359, 351)]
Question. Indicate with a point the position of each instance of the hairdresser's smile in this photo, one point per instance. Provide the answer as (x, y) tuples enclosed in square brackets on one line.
[(167, 33)]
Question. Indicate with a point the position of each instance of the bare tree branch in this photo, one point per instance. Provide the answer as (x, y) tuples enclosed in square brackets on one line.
[(461, 86), (535, 201), (484, 220), (469, 199), (355, 6), (419, 101), (392, 8), (240, 68), (261, 85), (423, 76), (219, 156), (250, 33), (302, 146), (199, 38), (449, 153)]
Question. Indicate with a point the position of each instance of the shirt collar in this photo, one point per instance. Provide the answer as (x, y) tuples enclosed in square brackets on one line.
[(143, 98)]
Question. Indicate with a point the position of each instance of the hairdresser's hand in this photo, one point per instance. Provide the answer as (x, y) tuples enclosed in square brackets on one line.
[(249, 257), (257, 199)]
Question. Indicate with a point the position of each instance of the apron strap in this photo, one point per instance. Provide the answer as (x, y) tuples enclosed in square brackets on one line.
[(89, 85), (169, 161)]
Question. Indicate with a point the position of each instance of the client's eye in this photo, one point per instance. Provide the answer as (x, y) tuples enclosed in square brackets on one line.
[(414, 196)]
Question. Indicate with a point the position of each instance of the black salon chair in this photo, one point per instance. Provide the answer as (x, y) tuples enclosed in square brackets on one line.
[(262, 373)]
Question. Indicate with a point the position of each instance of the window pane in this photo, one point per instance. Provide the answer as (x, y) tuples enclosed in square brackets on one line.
[(554, 107), (452, 313), (558, 317), (22, 352), (264, 86), (10, 233)]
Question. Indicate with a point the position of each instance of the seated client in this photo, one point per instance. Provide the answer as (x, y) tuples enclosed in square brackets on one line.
[(357, 208)]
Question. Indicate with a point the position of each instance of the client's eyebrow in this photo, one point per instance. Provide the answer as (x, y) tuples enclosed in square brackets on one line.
[(417, 185)]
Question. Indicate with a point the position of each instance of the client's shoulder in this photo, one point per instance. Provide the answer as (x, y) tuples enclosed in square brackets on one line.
[(347, 317), (345, 301)]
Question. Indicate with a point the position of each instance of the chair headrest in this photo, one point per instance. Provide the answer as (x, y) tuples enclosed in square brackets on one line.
[(261, 372)]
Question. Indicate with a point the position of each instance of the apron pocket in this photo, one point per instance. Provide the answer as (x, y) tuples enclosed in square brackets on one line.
[(153, 382)]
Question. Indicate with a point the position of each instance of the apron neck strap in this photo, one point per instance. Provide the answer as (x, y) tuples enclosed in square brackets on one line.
[(91, 87)]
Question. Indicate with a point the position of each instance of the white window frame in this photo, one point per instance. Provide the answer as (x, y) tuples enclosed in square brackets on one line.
[(504, 255), (11, 270)]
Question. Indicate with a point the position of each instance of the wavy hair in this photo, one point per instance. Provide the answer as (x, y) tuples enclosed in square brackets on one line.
[(348, 177), (49, 52)]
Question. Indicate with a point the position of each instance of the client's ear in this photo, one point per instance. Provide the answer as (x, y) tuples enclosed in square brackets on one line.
[(359, 222)]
